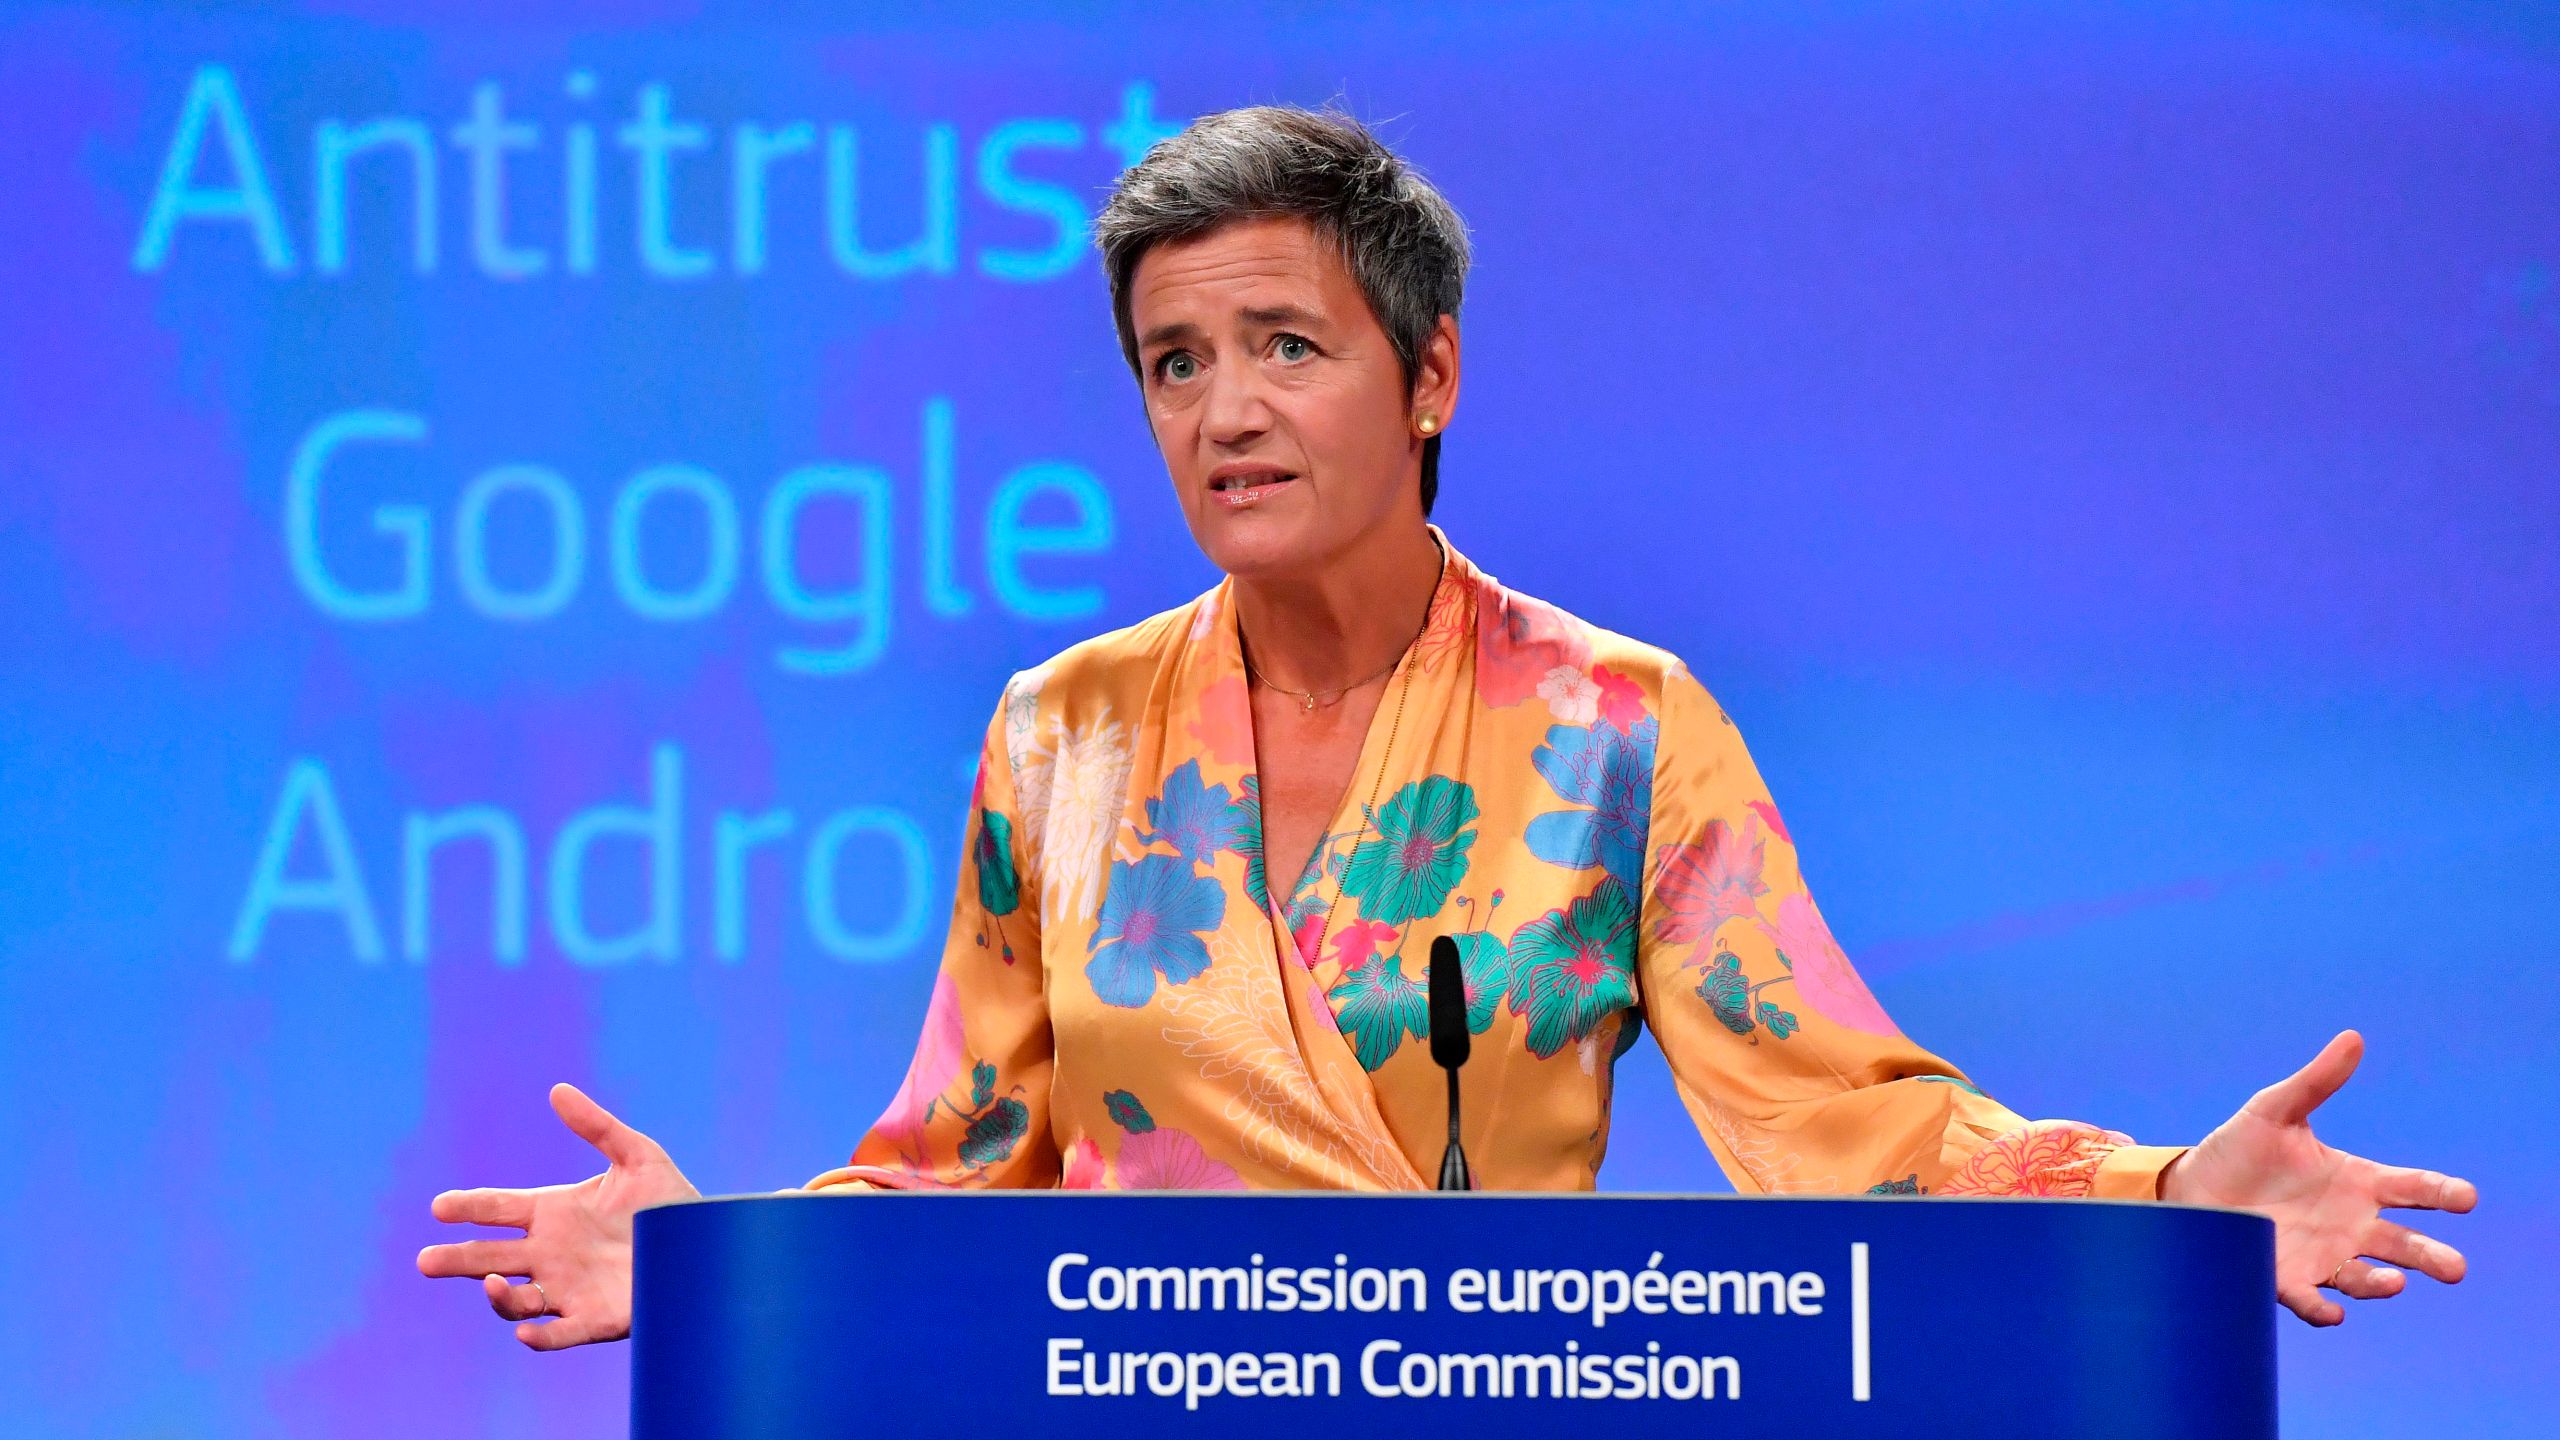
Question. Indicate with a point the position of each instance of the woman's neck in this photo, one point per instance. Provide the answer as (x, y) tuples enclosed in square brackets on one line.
[(1338, 627)]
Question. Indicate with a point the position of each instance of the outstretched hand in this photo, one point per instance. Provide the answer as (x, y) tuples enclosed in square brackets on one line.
[(2327, 1204), (576, 1250)]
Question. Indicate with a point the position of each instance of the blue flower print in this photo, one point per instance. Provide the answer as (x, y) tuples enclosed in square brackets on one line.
[(1153, 915), (1610, 770), (1197, 820)]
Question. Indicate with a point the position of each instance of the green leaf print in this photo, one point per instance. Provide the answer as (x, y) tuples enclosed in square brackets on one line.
[(993, 1135), (1727, 993), (1486, 963), (1419, 854), (1735, 1001), (999, 888), (1127, 1113), (1378, 1005), (1573, 968)]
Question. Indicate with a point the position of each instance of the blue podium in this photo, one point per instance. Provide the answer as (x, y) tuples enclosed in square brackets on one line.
[(915, 1314)]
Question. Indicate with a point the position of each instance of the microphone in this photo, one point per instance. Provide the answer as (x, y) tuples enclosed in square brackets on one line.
[(1449, 1049)]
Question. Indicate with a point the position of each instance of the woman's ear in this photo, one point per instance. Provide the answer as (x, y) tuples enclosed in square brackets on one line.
[(1435, 379)]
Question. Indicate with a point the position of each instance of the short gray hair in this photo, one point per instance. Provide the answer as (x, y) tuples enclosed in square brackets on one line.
[(1403, 243)]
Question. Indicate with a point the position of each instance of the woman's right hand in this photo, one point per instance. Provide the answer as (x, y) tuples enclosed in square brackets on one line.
[(577, 1240)]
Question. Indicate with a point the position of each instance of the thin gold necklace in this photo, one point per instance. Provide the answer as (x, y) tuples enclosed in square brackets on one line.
[(1308, 699), (1386, 756)]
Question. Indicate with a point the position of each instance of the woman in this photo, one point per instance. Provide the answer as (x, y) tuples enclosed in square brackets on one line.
[(1209, 852)]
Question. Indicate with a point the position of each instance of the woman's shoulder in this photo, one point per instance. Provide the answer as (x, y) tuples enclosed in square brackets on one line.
[(1530, 647), (1115, 669)]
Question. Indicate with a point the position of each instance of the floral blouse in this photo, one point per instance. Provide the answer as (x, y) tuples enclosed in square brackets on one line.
[(1127, 1000)]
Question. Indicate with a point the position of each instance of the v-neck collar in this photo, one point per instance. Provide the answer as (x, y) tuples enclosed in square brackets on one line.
[(1447, 618), (1200, 708), (1447, 638)]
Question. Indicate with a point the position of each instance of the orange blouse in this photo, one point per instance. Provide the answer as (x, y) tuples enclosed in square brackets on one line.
[(1126, 1001)]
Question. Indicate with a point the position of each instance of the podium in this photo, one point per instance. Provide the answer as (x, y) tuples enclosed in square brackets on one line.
[(1045, 1313)]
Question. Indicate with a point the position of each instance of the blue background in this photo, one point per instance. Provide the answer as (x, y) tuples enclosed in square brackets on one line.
[(2103, 456)]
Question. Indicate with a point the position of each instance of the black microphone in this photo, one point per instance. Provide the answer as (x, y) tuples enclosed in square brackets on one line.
[(1449, 1049)]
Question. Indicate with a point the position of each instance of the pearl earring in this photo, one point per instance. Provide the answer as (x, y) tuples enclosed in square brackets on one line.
[(1428, 423)]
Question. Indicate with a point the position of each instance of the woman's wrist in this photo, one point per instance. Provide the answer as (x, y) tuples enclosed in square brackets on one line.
[(2172, 1185)]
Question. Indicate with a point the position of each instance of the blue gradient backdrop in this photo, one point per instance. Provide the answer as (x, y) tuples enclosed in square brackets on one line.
[(2102, 455)]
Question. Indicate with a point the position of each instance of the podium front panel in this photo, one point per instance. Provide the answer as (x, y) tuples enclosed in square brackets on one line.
[(912, 1314)]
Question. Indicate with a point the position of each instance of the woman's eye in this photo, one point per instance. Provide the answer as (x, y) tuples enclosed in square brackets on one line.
[(1293, 348), (1177, 366)]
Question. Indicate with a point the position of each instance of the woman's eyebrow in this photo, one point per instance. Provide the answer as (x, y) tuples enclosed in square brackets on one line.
[(1267, 315), (1170, 331)]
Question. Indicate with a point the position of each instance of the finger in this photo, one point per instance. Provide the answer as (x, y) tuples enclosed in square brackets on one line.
[(597, 1126), (2291, 1100), (2311, 1305), (2423, 1253), (2403, 1188), (555, 1334), (2365, 1280), (475, 1257), (513, 1302), (485, 1207)]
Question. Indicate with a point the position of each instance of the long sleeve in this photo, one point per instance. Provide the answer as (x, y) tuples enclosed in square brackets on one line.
[(974, 1109), (1792, 1071)]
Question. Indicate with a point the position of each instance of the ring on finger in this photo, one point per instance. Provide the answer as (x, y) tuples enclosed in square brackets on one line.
[(544, 1295), (2331, 1282)]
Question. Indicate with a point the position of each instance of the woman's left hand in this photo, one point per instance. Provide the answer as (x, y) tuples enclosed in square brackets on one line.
[(2327, 1204)]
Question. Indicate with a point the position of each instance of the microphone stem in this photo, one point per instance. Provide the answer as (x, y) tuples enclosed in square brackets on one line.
[(1454, 1173)]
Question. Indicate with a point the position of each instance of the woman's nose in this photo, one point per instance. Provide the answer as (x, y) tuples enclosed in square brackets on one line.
[(1235, 409)]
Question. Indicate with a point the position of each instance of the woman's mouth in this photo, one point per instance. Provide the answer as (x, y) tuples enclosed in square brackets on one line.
[(1238, 491)]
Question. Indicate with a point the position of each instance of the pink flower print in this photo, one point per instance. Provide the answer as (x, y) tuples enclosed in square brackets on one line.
[(1449, 626), (1571, 697), (1084, 1169), (939, 1052), (1823, 975), (1225, 726), (1164, 1159), (1700, 886), (1355, 943), (1519, 641), (1768, 814), (1308, 935), (2041, 1157), (1621, 699)]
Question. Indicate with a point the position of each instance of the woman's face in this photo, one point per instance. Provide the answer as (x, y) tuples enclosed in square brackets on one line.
[(1285, 421)]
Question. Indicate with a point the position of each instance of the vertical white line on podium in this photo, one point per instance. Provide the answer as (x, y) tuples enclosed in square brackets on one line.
[(1858, 1389)]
